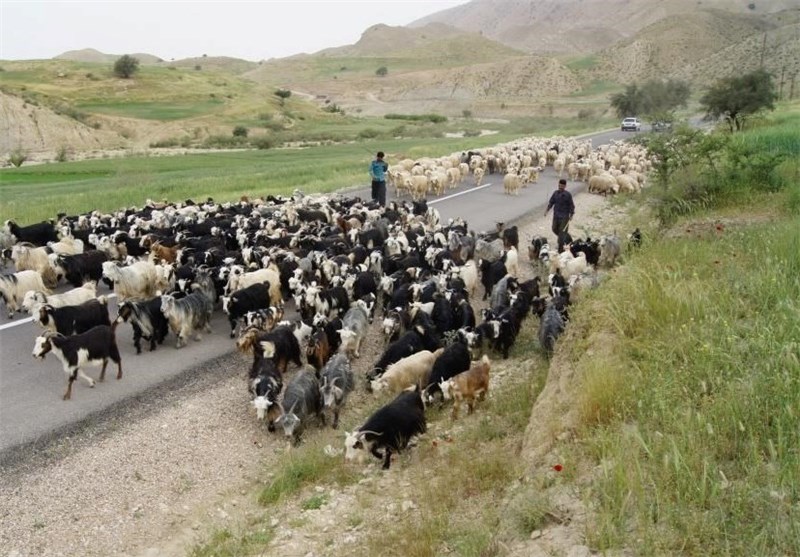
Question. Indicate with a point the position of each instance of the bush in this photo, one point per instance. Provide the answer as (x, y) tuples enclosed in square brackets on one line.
[(17, 157), (262, 143), (62, 154), (382, 71), (165, 143), (240, 131), (126, 66), (223, 142), (368, 133)]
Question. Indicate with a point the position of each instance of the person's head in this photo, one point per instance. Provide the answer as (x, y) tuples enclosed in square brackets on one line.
[(562, 184), (380, 154)]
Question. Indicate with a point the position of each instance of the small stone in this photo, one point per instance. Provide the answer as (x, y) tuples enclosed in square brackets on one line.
[(407, 505), (319, 489), (536, 534), (274, 522)]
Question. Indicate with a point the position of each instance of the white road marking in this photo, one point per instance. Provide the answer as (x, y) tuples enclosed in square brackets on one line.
[(477, 188)]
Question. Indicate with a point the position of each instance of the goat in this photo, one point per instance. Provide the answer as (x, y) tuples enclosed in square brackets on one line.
[(337, 383), (93, 347), (470, 385), (390, 428)]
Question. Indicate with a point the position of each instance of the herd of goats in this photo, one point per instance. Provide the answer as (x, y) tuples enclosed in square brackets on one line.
[(340, 261)]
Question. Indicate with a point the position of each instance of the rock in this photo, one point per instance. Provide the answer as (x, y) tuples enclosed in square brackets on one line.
[(407, 505), (579, 551), (274, 522), (536, 534)]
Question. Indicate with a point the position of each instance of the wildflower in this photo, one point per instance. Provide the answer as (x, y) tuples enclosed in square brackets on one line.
[(558, 468)]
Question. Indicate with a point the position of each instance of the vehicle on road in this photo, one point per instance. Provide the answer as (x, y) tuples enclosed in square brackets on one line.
[(631, 125)]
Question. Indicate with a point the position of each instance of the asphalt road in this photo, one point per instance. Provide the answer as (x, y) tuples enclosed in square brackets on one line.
[(31, 409)]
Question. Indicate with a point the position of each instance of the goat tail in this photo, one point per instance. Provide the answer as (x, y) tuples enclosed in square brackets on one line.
[(103, 300), (114, 326)]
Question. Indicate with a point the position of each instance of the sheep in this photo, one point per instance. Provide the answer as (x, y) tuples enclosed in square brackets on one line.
[(13, 288), (470, 385), (411, 370), (27, 257), (478, 175), (93, 347), (512, 183), (512, 261), (603, 183), (137, 281), (34, 298)]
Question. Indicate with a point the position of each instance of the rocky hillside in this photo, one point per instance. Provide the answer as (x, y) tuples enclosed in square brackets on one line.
[(579, 26)]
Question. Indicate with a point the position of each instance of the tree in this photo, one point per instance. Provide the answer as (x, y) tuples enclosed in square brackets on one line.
[(653, 98), (627, 103), (382, 71), (736, 98), (283, 94), (126, 66)]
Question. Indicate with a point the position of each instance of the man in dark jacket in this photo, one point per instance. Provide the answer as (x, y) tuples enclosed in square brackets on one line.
[(563, 209), (377, 171)]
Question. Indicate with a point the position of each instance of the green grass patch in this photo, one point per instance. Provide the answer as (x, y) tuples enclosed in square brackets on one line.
[(302, 466), (164, 111), (584, 63), (225, 543), (696, 432)]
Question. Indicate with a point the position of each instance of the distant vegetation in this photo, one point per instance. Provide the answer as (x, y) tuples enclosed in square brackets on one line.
[(435, 118), (737, 98), (126, 66)]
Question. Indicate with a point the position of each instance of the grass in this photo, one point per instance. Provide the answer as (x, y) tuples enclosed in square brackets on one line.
[(693, 414), (165, 111), (34, 193)]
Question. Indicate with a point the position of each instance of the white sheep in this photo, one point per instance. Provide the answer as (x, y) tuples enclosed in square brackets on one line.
[(512, 183)]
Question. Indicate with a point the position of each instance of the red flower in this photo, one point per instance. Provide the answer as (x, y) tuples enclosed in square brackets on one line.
[(558, 468)]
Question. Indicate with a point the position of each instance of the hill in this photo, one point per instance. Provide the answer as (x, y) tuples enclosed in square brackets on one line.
[(578, 26), (92, 55)]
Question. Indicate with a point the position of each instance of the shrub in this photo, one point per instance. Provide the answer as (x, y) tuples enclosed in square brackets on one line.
[(126, 66), (240, 131), (62, 154), (466, 113), (17, 157), (368, 133), (262, 143), (165, 143), (382, 71), (198, 67)]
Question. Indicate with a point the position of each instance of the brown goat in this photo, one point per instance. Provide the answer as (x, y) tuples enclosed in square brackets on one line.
[(469, 385)]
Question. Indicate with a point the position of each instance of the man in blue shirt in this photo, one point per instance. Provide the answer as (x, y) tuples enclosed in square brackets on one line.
[(377, 171), (563, 209)]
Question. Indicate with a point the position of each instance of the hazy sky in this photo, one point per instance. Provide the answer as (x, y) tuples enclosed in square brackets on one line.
[(252, 30)]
